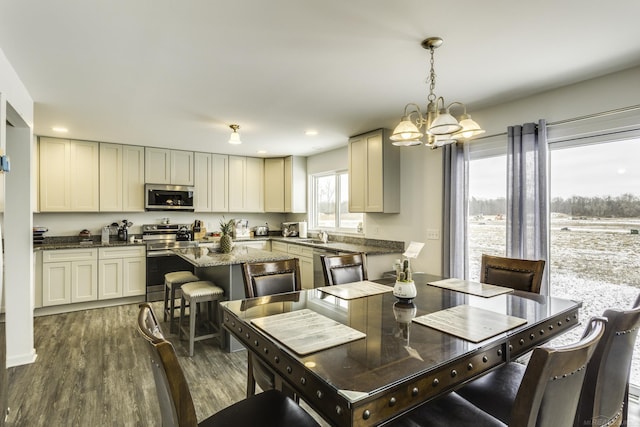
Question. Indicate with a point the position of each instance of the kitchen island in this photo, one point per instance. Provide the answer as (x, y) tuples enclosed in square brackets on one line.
[(226, 272)]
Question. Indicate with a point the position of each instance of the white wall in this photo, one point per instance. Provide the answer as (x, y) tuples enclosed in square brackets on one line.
[(18, 255)]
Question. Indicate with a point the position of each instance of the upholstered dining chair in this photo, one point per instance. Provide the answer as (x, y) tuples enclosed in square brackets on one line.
[(544, 393), (605, 394), (271, 408), (519, 274), (262, 279), (341, 269)]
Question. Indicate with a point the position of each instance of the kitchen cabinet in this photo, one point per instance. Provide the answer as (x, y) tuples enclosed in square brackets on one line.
[(211, 182), (69, 276), (164, 166), (305, 257), (374, 173), (121, 178), (246, 189), (69, 178), (263, 245), (285, 184), (121, 271)]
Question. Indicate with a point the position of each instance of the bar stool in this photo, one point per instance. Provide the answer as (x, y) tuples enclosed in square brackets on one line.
[(193, 294), (173, 281)]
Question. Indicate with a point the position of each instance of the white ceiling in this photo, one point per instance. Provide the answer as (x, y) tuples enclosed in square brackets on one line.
[(177, 73)]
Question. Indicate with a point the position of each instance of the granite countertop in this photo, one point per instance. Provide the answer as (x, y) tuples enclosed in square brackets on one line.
[(203, 257), (77, 244), (380, 248)]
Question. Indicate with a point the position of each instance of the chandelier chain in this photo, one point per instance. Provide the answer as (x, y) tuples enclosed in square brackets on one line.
[(432, 79)]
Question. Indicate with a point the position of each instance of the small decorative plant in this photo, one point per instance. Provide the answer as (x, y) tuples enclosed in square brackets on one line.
[(405, 274), (226, 243)]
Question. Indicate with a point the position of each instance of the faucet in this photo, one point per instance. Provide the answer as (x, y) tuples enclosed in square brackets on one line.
[(324, 236)]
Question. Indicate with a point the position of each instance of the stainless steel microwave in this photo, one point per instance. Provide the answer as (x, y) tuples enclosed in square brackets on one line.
[(159, 197)]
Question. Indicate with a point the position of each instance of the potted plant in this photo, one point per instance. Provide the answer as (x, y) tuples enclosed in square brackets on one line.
[(405, 287), (226, 243)]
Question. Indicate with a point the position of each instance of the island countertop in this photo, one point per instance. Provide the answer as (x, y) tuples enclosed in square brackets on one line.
[(203, 257)]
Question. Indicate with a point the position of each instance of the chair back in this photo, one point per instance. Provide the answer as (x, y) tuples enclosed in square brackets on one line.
[(519, 274), (604, 399), (271, 277), (341, 269), (176, 404), (550, 388)]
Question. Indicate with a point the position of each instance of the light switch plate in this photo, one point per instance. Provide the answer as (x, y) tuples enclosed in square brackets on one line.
[(433, 234)]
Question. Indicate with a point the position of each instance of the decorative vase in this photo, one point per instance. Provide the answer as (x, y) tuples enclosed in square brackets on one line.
[(405, 290)]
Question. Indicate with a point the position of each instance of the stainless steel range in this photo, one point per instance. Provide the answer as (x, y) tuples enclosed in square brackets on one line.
[(160, 240)]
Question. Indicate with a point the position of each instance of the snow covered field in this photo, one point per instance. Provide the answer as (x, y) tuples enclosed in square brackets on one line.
[(593, 260)]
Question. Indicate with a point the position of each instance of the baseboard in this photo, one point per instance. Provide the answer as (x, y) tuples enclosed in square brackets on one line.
[(22, 359)]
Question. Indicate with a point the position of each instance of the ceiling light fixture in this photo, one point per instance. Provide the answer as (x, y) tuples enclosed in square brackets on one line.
[(440, 126), (59, 129), (235, 136)]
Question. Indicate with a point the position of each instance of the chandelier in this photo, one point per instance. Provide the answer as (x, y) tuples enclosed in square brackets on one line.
[(440, 126)]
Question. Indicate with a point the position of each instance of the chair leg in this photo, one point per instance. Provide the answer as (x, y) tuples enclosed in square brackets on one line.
[(172, 305), (192, 327), (251, 382), (166, 301), (180, 321)]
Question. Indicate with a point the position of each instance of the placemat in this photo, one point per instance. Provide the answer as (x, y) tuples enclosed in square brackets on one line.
[(356, 289), (305, 331), (470, 323), (473, 288)]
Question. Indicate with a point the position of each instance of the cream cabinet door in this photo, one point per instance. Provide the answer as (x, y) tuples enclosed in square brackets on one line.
[(157, 165), (182, 165), (274, 185), (374, 185), (220, 184), (203, 182), (295, 184), (254, 184), (84, 176), (56, 283), (110, 177), (306, 272), (132, 178), (134, 276), (110, 278), (55, 181), (357, 173), (84, 281)]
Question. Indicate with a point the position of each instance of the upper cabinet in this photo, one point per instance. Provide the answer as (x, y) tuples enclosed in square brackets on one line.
[(163, 166), (69, 178), (211, 182), (374, 173), (246, 189), (121, 178), (285, 184)]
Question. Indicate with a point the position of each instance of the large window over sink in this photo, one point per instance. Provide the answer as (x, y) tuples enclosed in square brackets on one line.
[(330, 203)]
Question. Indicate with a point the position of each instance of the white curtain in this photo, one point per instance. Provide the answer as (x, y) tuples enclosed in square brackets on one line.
[(527, 194), (455, 248)]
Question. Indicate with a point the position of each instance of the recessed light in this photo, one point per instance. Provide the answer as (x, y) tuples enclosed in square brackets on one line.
[(59, 129), (262, 151), (311, 132)]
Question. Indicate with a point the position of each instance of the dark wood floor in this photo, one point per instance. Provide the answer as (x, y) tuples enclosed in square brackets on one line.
[(93, 369)]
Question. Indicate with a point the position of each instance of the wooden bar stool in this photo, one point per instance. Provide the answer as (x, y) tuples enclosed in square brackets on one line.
[(193, 294), (173, 282)]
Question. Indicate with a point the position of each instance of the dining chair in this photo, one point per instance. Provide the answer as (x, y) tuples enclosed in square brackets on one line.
[(518, 274), (341, 269), (271, 408), (262, 279), (544, 393), (605, 394)]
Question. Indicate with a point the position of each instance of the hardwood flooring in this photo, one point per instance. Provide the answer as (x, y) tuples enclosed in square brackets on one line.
[(92, 369)]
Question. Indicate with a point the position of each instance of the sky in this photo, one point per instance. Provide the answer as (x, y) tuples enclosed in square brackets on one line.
[(593, 170)]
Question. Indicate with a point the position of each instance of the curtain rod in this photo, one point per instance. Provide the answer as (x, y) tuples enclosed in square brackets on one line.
[(575, 119)]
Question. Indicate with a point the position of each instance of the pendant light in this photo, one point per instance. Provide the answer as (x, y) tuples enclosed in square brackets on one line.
[(235, 136)]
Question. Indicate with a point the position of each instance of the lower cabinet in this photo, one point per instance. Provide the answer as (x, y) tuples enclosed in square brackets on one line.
[(263, 245), (91, 274), (121, 272), (69, 276), (305, 257)]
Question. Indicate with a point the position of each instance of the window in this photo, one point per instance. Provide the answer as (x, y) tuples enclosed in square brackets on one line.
[(330, 203)]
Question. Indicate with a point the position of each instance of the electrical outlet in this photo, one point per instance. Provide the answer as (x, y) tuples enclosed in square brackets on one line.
[(433, 234)]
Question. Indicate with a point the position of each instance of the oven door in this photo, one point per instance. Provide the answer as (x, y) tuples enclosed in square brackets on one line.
[(159, 263)]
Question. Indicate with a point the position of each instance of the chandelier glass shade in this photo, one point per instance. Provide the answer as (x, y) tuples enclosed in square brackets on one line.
[(440, 126)]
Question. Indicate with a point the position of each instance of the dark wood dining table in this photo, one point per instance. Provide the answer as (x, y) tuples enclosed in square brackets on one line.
[(399, 363)]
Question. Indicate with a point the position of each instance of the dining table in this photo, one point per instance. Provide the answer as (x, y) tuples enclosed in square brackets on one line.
[(359, 356)]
